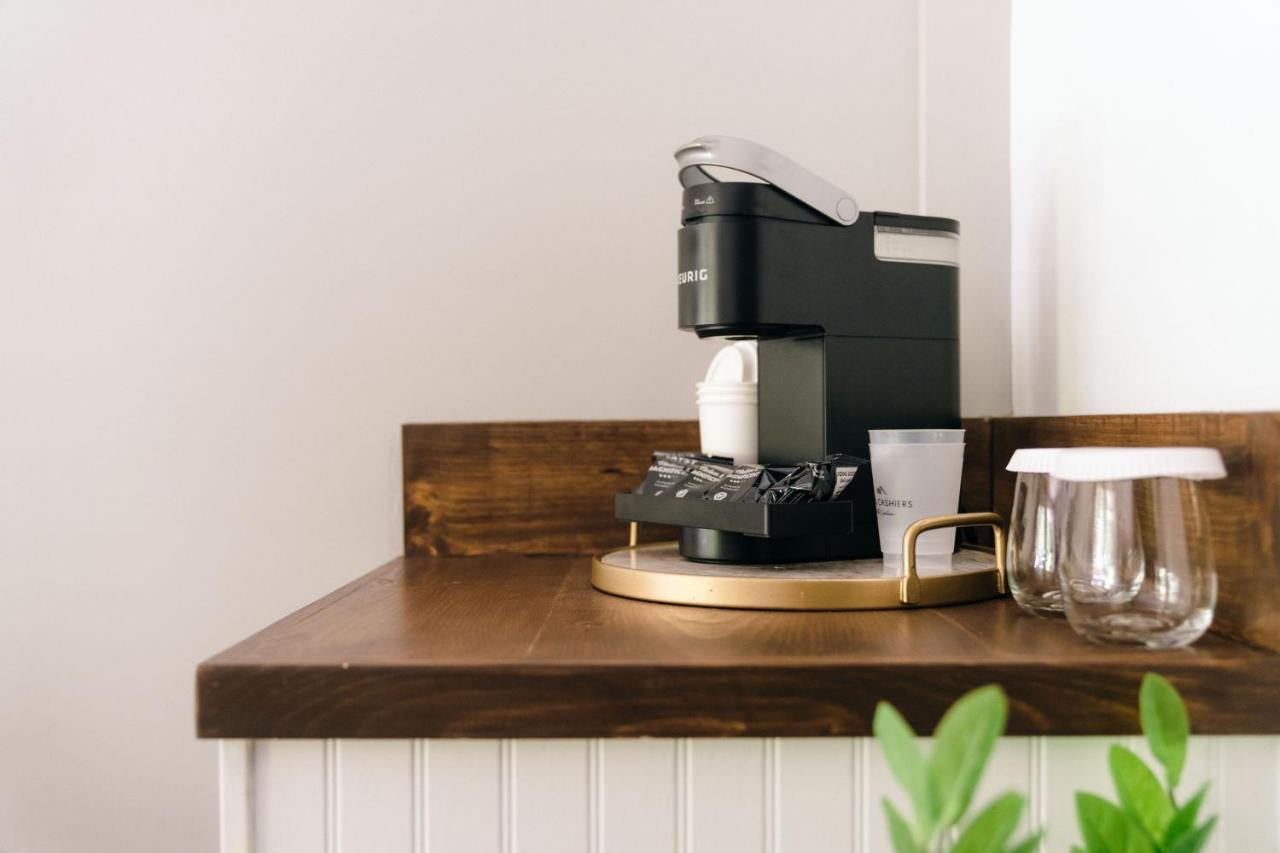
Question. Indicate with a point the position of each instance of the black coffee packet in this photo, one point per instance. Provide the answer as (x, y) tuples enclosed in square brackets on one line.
[(744, 484), (815, 481), (696, 476), (701, 478), (669, 469)]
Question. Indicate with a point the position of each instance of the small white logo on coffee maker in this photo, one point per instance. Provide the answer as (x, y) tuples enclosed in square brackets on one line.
[(691, 275), (698, 202)]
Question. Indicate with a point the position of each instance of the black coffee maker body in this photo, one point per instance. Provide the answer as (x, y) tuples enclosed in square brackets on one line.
[(857, 318)]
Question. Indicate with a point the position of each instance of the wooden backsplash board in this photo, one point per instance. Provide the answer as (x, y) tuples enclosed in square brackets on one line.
[(547, 488)]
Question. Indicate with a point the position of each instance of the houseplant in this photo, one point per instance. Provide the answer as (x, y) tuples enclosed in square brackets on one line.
[(1146, 819)]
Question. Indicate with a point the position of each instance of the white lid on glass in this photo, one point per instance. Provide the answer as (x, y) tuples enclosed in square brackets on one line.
[(1096, 464), (1032, 460)]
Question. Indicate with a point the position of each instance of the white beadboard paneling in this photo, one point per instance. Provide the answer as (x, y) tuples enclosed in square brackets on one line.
[(420, 760), (235, 800), (552, 796), (1072, 764), (1243, 791), (289, 793), (684, 795), (815, 808), (875, 782), (638, 796), (728, 795), (1248, 783), (465, 792), (1203, 765), (376, 780), (1010, 769), (1243, 775), (1037, 775), (595, 794), (673, 796), (860, 808), (332, 796), (772, 793)]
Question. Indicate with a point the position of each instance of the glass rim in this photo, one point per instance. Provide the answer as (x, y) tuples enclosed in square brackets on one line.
[(916, 436)]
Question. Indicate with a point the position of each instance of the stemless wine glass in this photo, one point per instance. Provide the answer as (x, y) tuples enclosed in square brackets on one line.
[(1134, 550), (1031, 562)]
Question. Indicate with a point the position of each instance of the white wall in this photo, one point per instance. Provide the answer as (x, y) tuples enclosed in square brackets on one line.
[(1145, 174), (241, 243), (964, 168)]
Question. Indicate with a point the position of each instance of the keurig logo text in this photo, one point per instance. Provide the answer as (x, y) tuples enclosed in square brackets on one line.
[(691, 275)]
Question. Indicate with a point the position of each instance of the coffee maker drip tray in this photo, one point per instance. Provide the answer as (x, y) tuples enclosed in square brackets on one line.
[(659, 573)]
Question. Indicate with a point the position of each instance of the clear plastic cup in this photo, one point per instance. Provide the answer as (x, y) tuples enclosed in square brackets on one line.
[(916, 474)]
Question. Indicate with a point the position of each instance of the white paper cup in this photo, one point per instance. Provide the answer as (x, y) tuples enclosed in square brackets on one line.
[(727, 421), (916, 474), (727, 404)]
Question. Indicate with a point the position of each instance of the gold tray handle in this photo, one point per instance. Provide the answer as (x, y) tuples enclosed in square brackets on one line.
[(910, 590)]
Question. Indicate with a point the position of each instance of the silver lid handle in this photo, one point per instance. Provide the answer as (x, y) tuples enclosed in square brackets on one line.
[(768, 165)]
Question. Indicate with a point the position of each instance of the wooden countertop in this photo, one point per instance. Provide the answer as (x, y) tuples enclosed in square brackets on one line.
[(523, 646)]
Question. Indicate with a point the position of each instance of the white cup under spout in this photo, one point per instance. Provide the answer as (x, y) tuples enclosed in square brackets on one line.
[(728, 404)]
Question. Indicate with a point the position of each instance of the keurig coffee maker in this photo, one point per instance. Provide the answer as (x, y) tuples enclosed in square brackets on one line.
[(857, 318)]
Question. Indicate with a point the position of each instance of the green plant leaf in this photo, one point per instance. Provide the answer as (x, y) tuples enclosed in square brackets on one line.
[(964, 739), (1165, 723), (1193, 841), (902, 751), (1140, 792), (993, 826), (1138, 841), (899, 830), (1107, 829), (1030, 845), (1184, 820)]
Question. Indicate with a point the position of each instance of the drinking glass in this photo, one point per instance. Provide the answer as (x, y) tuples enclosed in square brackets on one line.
[(1030, 558), (1134, 553)]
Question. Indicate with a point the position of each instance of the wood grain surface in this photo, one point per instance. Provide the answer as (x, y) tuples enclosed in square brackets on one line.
[(975, 481), (483, 631), (506, 646), (1244, 509), (528, 488), (547, 487)]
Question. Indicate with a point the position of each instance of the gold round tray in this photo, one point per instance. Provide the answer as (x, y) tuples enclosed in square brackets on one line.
[(658, 573)]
